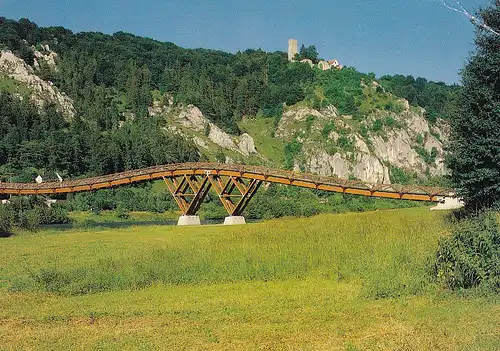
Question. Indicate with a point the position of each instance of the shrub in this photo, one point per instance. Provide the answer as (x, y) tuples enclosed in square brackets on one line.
[(394, 107), (377, 125), (327, 129), (345, 143), (420, 139), (428, 157), (292, 149), (89, 223), (364, 132), (309, 122), (220, 156), (6, 219), (122, 213), (55, 215), (471, 256), (399, 176), (32, 219), (213, 210), (390, 121)]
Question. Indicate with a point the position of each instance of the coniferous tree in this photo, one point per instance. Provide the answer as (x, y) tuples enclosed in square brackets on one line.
[(475, 140)]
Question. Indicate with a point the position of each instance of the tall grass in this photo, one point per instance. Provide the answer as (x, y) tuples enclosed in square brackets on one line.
[(385, 251)]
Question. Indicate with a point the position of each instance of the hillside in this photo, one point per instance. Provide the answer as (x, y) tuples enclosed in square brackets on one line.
[(382, 147), (124, 102)]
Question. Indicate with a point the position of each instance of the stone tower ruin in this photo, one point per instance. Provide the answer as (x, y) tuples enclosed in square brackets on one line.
[(292, 49)]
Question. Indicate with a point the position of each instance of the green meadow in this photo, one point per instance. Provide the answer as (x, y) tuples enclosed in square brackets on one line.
[(354, 281)]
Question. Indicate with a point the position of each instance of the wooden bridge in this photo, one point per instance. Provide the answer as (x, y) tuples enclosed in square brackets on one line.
[(235, 185)]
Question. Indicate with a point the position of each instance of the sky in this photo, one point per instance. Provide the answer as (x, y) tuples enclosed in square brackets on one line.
[(417, 37)]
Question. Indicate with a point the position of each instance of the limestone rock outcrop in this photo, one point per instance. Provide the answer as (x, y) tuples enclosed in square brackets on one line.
[(411, 144), (42, 92), (331, 144), (190, 122), (45, 56)]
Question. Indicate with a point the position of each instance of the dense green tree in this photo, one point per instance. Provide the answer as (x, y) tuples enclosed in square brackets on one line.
[(309, 52), (475, 140), (437, 98)]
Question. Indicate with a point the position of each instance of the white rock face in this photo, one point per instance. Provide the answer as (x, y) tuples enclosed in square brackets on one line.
[(286, 125), (246, 145), (42, 91), (372, 153), (200, 142), (365, 167), (192, 118), (221, 138), (192, 121), (416, 123), (368, 158), (48, 56), (397, 151)]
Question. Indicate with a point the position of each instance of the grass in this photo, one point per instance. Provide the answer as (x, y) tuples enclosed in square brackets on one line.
[(331, 282), (10, 85), (261, 130)]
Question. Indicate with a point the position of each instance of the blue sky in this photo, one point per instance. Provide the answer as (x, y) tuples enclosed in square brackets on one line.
[(418, 37)]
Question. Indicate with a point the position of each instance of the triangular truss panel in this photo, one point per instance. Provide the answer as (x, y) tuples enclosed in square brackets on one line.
[(234, 192), (189, 191)]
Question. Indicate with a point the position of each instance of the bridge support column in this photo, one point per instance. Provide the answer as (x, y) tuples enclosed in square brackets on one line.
[(234, 220), (235, 193), (189, 192), (189, 220)]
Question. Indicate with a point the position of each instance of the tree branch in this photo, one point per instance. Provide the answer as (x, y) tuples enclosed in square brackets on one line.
[(477, 21)]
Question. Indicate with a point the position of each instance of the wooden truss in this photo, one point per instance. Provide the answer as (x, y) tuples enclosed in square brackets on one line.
[(189, 191), (235, 193)]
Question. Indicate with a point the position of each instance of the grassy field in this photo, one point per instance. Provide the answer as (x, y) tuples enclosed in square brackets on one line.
[(332, 282)]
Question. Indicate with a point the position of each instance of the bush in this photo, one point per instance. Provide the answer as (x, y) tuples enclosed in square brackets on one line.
[(345, 143), (122, 213), (31, 219), (55, 215), (399, 176), (6, 219), (89, 223), (213, 210), (394, 107), (292, 149), (327, 129), (471, 256), (377, 125)]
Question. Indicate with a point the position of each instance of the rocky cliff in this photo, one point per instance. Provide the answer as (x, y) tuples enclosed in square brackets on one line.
[(324, 142), (27, 83), (366, 149), (189, 122)]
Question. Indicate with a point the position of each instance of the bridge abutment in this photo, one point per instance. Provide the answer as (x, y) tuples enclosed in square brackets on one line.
[(448, 203), (234, 220), (189, 220)]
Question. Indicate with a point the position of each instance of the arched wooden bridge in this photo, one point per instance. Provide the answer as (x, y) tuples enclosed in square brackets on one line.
[(235, 185)]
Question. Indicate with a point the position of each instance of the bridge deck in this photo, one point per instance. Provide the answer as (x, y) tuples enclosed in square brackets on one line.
[(306, 180)]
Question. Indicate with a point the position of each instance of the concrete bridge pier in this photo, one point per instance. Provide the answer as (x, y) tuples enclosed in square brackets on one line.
[(234, 220), (189, 220), (448, 203)]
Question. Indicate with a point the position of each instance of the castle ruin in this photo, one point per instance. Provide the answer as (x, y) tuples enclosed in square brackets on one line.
[(293, 49)]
